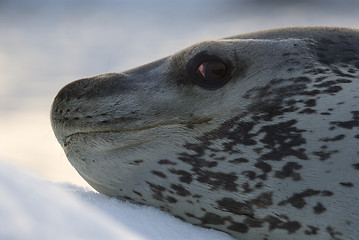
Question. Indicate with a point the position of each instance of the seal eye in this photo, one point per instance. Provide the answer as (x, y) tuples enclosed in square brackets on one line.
[(212, 71), (209, 71)]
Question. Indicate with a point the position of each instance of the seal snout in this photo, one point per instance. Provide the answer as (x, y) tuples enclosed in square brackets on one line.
[(94, 87), (79, 106), (107, 102)]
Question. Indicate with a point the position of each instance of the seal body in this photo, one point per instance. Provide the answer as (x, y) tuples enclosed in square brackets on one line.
[(255, 135)]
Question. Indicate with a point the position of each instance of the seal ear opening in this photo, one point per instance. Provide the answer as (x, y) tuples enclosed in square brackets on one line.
[(209, 71)]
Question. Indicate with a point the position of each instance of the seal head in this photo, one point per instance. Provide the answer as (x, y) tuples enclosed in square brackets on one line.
[(255, 135)]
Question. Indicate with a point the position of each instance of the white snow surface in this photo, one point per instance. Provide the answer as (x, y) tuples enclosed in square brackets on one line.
[(31, 208)]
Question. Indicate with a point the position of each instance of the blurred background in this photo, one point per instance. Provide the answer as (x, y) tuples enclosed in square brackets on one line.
[(45, 44)]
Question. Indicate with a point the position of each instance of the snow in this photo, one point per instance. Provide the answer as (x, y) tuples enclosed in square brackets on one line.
[(31, 208)]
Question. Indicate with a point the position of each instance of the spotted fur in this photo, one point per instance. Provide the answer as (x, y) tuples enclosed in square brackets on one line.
[(272, 154)]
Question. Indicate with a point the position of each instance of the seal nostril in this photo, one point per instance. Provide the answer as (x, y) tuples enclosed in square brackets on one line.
[(66, 142)]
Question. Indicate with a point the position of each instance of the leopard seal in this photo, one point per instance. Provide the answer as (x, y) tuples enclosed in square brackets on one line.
[(254, 135)]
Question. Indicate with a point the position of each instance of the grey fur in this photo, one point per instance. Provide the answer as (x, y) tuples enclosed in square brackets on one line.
[(272, 154)]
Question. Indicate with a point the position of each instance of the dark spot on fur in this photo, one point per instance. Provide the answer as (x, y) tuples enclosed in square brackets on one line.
[(251, 175), (337, 138), (265, 167), (185, 177), (289, 171), (333, 89), (334, 234), (197, 196), (319, 208), (137, 162), (239, 160), (159, 174), (297, 199), (179, 217), (351, 123), (324, 155), (137, 193), (327, 193), (214, 219), (341, 74), (343, 80), (196, 161), (158, 192), (226, 181), (316, 71), (332, 128), (351, 70), (238, 227), (171, 199), (276, 223), (180, 190), (311, 231), (166, 162), (234, 131), (320, 79), (253, 222), (331, 83), (272, 97), (264, 200), (281, 138), (325, 113), (233, 206), (128, 198), (308, 111), (347, 184), (290, 69), (356, 166), (246, 188)]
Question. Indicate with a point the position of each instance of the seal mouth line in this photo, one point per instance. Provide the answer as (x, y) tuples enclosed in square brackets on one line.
[(147, 127)]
